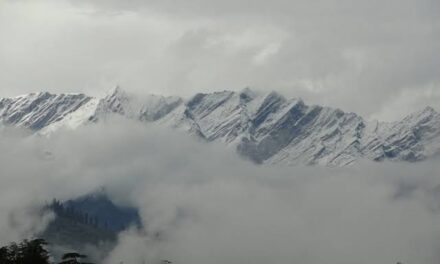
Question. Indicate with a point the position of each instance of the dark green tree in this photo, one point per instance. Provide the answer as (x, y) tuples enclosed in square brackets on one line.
[(33, 252), (27, 252), (4, 255)]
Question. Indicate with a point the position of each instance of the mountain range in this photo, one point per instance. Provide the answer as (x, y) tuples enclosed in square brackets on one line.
[(267, 128)]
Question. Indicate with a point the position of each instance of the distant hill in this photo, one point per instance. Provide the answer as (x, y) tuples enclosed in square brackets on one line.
[(88, 222)]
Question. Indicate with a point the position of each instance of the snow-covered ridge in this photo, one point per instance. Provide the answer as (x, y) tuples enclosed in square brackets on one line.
[(266, 128)]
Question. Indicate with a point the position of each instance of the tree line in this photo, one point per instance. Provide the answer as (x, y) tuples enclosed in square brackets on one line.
[(34, 252), (75, 214)]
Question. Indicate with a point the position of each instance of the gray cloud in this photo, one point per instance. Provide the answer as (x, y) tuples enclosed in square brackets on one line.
[(365, 56), (378, 58), (211, 207)]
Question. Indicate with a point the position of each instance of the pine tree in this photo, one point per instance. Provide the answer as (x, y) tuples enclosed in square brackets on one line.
[(33, 252), (4, 256), (27, 252)]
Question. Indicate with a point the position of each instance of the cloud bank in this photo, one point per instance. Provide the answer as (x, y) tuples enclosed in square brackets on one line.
[(377, 58), (202, 204)]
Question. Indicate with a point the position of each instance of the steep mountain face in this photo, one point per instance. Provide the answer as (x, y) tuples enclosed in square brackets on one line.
[(266, 128), (36, 111), (414, 138)]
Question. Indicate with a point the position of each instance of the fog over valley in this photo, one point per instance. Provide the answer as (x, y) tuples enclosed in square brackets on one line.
[(210, 206)]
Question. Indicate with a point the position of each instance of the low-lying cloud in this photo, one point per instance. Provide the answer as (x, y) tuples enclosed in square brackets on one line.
[(200, 203)]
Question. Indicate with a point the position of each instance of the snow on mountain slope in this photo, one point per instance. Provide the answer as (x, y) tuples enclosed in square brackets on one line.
[(414, 138), (37, 110), (266, 128), (116, 102), (73, 119)]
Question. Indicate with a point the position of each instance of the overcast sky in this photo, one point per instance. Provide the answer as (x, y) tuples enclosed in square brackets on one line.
[(378, 58)]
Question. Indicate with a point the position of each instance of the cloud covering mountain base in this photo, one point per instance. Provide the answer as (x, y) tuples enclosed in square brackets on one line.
[(202, 204)]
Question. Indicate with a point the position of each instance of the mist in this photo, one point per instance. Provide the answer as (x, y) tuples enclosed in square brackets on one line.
[(201, 203)]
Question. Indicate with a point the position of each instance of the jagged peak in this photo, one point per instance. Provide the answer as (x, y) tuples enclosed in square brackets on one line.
[(268, 119), (116, 92), (46, 94), (117, 89), (429, 110), (195, 99), (246, 95), (248, 92), (32, 94), (272, 96), (214, 96), (247, 89), (424, 114)]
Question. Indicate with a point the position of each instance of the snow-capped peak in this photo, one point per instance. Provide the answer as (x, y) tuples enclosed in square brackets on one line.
[(265, 127)]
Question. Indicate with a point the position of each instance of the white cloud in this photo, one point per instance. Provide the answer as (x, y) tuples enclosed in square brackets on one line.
[(210, 207), (357, 55)]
